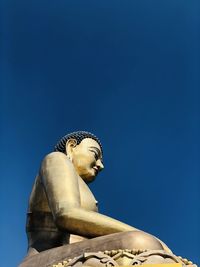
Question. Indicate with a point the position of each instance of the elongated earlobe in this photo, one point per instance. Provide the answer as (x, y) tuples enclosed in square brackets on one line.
[(69, 148)]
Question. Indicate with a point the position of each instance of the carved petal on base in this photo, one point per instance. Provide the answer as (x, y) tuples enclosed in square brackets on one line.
[(137, 257), (93, 259)]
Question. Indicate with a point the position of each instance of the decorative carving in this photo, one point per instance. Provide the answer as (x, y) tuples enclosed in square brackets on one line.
[(124, 257), (90, 259)]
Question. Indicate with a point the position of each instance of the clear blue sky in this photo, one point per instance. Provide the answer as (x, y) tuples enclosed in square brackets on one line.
[(128, 71)]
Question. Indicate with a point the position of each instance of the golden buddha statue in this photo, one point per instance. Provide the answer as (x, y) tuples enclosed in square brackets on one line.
[(64, 227), (62, 209)]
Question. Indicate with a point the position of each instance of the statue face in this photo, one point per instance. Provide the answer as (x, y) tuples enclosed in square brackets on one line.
[(87, 159)]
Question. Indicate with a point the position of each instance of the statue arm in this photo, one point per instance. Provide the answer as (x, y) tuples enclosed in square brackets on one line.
[(90, 224), (61, 186)]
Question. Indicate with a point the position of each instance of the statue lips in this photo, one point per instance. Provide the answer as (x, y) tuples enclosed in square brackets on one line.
[(96, 170)]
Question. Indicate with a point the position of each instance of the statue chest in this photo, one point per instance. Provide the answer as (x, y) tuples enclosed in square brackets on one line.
[(38, 199), (87, 199)]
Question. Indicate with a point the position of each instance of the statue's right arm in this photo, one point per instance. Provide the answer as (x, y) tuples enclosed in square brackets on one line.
[(60, 182)]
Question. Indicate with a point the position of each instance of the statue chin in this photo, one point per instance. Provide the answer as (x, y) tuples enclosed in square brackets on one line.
[(90, 177)]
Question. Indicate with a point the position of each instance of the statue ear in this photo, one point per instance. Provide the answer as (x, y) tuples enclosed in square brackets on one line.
[(70, 145)]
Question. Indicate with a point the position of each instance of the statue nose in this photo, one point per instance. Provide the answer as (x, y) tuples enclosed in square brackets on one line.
[(99, 164)]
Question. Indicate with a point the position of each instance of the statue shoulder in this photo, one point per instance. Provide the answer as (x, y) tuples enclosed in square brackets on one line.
[(55, 158), (55, 154)]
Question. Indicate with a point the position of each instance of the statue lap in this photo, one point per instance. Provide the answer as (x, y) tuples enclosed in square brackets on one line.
[(135, 248), (123, 240)]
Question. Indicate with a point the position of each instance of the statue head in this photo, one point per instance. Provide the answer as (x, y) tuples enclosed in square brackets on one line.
[(84, 150)]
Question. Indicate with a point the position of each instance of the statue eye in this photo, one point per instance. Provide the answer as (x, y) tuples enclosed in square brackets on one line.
[(95, 154)]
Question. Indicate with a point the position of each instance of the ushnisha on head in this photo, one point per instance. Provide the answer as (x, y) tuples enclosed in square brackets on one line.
[(84, 150)]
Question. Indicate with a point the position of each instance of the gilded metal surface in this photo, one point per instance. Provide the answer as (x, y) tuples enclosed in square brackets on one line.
[(63, 210)]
